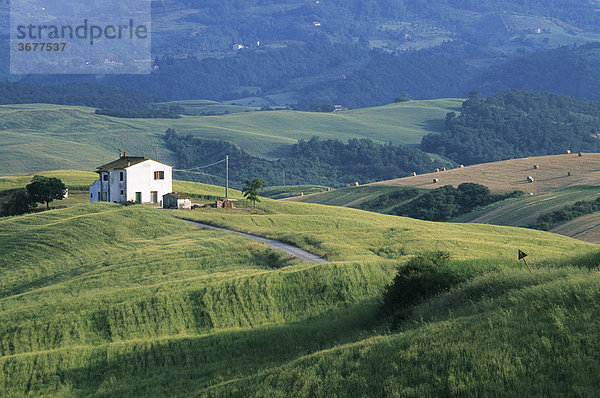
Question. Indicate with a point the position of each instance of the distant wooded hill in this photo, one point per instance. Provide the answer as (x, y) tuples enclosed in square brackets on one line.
[(330, 162), (516, 124)]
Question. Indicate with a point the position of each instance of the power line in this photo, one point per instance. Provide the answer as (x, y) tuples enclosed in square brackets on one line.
[(202, 167)]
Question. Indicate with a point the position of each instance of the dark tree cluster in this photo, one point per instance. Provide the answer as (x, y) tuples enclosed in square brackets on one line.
[(447, 202), (321, 162), (515, 124), (40, 190), (81, 94)]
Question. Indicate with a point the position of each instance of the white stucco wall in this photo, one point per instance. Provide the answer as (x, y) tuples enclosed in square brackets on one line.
[(136, 178), (140, 178), (95, 191)]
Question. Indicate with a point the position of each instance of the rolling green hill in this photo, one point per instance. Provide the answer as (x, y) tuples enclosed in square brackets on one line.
[(106, 300), (50, 137), (83, 179)]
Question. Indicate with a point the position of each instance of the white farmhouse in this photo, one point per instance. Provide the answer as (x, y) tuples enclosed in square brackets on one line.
[(132, 178)]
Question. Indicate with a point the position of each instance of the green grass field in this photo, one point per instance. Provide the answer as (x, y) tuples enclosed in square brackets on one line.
[(106, 300), (523, 211), (198, 107), (282, 192), (349, 197), (51, 137)]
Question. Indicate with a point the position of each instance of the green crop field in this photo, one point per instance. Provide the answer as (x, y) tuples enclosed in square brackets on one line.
[(292, 191), (110, 300), (348, 197), (50, 137), (523, 211), (198, 107)]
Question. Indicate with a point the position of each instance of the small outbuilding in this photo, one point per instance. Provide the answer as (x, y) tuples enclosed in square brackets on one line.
[(176, 200)]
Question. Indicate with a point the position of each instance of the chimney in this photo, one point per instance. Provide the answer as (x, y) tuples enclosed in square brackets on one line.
[(124, 154)]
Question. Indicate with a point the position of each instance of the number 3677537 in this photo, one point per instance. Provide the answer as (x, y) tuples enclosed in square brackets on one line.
[(41, 46)]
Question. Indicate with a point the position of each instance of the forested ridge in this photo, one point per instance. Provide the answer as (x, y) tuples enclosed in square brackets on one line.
[(315, 161), (515, 124)]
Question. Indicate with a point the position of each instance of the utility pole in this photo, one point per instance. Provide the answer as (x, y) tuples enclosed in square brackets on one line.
[(227, 177), (157, 153)]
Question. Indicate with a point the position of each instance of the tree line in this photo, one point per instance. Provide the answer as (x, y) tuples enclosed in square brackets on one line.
[(314, 161), (515, 124)]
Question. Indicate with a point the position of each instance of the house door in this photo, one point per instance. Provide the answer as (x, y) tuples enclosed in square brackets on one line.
[(154, 197), (138, 197)]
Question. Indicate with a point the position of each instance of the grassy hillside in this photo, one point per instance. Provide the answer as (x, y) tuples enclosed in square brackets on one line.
[(49, 137), (586, 228), (82, 179), (347, 234), (292, 191), (501, 334), (200, 107), (347, 197), (523, 211), (108, 300)]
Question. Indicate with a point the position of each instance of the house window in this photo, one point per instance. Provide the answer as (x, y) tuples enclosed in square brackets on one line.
[(121, 192), (154, 197), (105, 177), (121, 178), (159, 175), (91, 195)]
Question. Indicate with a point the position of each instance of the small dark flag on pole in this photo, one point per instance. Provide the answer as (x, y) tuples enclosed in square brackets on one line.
[(522, 257)]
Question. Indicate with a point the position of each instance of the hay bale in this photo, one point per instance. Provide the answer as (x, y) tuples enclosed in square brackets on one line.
[(435, 180), (461, 166), (356, 184), (443, 169), (569, 174), (568, 151), (414, 174), (530, 179), (535, 167), (580, 154), (437, 170)]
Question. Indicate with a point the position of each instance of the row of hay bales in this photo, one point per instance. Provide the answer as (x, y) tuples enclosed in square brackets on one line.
[(529, 178), (439, 171)]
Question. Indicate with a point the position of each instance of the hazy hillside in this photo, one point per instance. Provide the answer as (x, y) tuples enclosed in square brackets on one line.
[(359, 53), (47, 137)]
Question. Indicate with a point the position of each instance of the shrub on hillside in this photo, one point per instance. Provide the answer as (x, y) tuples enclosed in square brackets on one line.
[(420, 278), (447, 202), (19, 203)]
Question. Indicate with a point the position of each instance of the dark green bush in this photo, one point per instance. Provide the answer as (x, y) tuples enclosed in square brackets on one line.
[(424, 276)]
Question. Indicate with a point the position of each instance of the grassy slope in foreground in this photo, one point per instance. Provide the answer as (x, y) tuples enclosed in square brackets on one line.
[(110, 300), (130, 301), (42, 137), (511, 334)]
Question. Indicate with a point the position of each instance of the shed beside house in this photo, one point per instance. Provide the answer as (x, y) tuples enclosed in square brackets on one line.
[(176, 200)]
